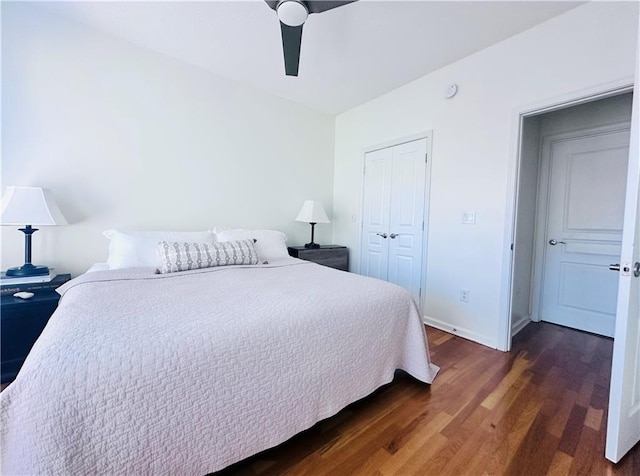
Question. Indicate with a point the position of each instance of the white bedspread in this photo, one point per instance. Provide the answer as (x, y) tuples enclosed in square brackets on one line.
[(186, 373)]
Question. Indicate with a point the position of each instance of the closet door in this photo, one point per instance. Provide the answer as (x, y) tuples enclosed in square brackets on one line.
[(393, 214), (406, 218), (375, 216)]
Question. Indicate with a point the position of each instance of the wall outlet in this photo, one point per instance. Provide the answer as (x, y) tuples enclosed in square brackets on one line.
[(464, 295)]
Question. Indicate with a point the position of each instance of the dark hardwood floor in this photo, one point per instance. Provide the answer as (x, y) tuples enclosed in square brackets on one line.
[(539, 409)]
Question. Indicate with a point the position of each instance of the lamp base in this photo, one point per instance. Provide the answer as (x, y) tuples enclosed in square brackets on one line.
[(27, 270), (312, 245)]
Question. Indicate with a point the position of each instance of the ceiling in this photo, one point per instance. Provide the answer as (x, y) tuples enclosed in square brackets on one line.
[(349, 55)]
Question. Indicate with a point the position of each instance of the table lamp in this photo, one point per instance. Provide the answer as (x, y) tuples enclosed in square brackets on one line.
[(312, 212), (35, 206)]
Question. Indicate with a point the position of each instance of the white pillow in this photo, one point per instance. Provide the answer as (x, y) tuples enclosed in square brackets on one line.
[(131, 249), (270, 244)]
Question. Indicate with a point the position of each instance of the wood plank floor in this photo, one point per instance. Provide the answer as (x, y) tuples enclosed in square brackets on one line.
[(539, 409)]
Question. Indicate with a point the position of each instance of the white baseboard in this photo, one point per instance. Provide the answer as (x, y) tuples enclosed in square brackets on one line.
[(517, 326), (460, 331)]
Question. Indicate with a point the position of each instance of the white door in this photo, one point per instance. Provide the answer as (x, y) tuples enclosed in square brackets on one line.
[(586, 196), (375, 214), (406, 220), (623, 426), (393, 215)]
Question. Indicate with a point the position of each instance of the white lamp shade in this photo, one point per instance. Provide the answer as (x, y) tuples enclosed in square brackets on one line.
[(30, 206), (312, 211)]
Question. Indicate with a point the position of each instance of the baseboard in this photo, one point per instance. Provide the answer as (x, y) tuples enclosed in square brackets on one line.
[(517, 326), (460, 331)]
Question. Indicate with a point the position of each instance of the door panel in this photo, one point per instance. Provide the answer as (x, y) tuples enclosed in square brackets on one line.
[(407, 216), (376, 264), (585, 211), (592, 295), (602, 248), (623, 425), (595, 189), (375, 217), (404, 270)]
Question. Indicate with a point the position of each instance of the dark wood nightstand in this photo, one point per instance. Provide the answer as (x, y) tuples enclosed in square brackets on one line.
[(22, 321), (334, 256)]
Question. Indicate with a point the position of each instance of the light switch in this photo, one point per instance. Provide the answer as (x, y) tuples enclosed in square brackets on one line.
[(468, 218)]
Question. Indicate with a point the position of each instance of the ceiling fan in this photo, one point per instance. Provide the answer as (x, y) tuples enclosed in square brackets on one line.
[(292, 15)]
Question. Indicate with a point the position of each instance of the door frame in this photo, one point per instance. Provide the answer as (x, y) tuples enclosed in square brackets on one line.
[(428, 135), (519, 114), (543, 201)]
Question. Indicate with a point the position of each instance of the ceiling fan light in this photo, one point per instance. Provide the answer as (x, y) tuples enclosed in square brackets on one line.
[(292, 12)]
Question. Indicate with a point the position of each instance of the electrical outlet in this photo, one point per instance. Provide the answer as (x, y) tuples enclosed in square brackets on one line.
[(464, 295)]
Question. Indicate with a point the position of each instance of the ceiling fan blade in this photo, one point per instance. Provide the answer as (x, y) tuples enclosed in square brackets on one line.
[(319, 6), (292, 35), (291, 41)]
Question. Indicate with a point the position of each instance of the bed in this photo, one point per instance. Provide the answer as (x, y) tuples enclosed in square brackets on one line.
[(189, 372)]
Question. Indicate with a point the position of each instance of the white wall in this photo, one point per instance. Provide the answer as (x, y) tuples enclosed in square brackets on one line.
[(473, 135), (130, 139)]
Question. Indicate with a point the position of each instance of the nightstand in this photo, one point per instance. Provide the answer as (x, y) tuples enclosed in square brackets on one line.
[(334, 256), (21, 322)]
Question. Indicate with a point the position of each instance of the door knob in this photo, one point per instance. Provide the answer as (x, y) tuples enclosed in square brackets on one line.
[(393, 235), (614, 267), (553, 242), (383, 235)]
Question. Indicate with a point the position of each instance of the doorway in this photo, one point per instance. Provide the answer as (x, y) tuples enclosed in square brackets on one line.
[(570, 203)]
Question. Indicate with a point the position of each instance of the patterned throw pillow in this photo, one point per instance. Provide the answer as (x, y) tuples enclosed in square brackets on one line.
[(183, 256)]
